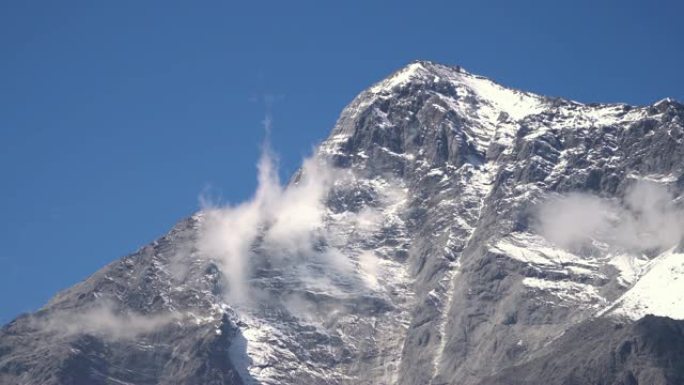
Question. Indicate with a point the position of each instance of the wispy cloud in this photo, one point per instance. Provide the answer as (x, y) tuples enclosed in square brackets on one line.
[(285, 220), (645, 219), (105, 321)]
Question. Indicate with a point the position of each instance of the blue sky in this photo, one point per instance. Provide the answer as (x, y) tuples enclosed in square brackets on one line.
[(116, 115)]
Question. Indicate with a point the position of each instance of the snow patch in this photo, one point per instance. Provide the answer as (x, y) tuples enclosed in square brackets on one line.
[(399, 78), (516, 104), (567, 291), (659, 292), (630, 267), (535, 250)]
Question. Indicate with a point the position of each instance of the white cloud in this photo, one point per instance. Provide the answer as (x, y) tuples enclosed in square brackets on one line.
[(370, 267), (290, 230), (285, 222), (645, 219), (102, 320), (297, 211), (574, 218)]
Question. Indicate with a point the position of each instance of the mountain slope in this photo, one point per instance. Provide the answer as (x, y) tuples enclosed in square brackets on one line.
[(408, 251), (601, 351)]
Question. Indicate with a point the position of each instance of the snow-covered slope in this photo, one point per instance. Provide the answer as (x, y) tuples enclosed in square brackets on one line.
[(411, 254), (658, 291)]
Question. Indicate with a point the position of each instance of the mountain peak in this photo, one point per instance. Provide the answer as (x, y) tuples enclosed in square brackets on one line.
[(417, 71), (431, 110), (428, 74)]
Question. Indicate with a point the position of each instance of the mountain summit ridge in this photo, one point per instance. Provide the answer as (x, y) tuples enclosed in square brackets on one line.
[(413, 248), (433, 68)]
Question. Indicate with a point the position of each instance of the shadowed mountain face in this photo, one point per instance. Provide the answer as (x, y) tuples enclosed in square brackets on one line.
[(449, 231), (601, 351)]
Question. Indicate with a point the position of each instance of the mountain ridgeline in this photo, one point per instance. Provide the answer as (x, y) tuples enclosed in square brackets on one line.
[(449, 231)]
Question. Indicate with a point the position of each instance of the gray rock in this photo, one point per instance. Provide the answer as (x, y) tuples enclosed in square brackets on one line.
[(602, 351)]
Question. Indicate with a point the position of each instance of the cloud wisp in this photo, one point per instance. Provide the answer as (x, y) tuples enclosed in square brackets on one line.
[(645, 219), (104, 321), (285, 221), (306, 232)]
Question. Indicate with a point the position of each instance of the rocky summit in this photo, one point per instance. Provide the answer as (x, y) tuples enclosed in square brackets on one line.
[(450, 230)]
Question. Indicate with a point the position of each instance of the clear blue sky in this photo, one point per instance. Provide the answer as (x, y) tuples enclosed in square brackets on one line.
[(116, 115)]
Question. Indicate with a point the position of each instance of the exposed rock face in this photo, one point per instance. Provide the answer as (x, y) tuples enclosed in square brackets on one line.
[(601, 351), (452, 284)]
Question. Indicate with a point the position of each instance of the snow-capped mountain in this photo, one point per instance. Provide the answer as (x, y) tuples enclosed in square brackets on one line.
[(449, 231)]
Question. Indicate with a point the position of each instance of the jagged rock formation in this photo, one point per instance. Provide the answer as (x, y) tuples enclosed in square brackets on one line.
[(451, 284)]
